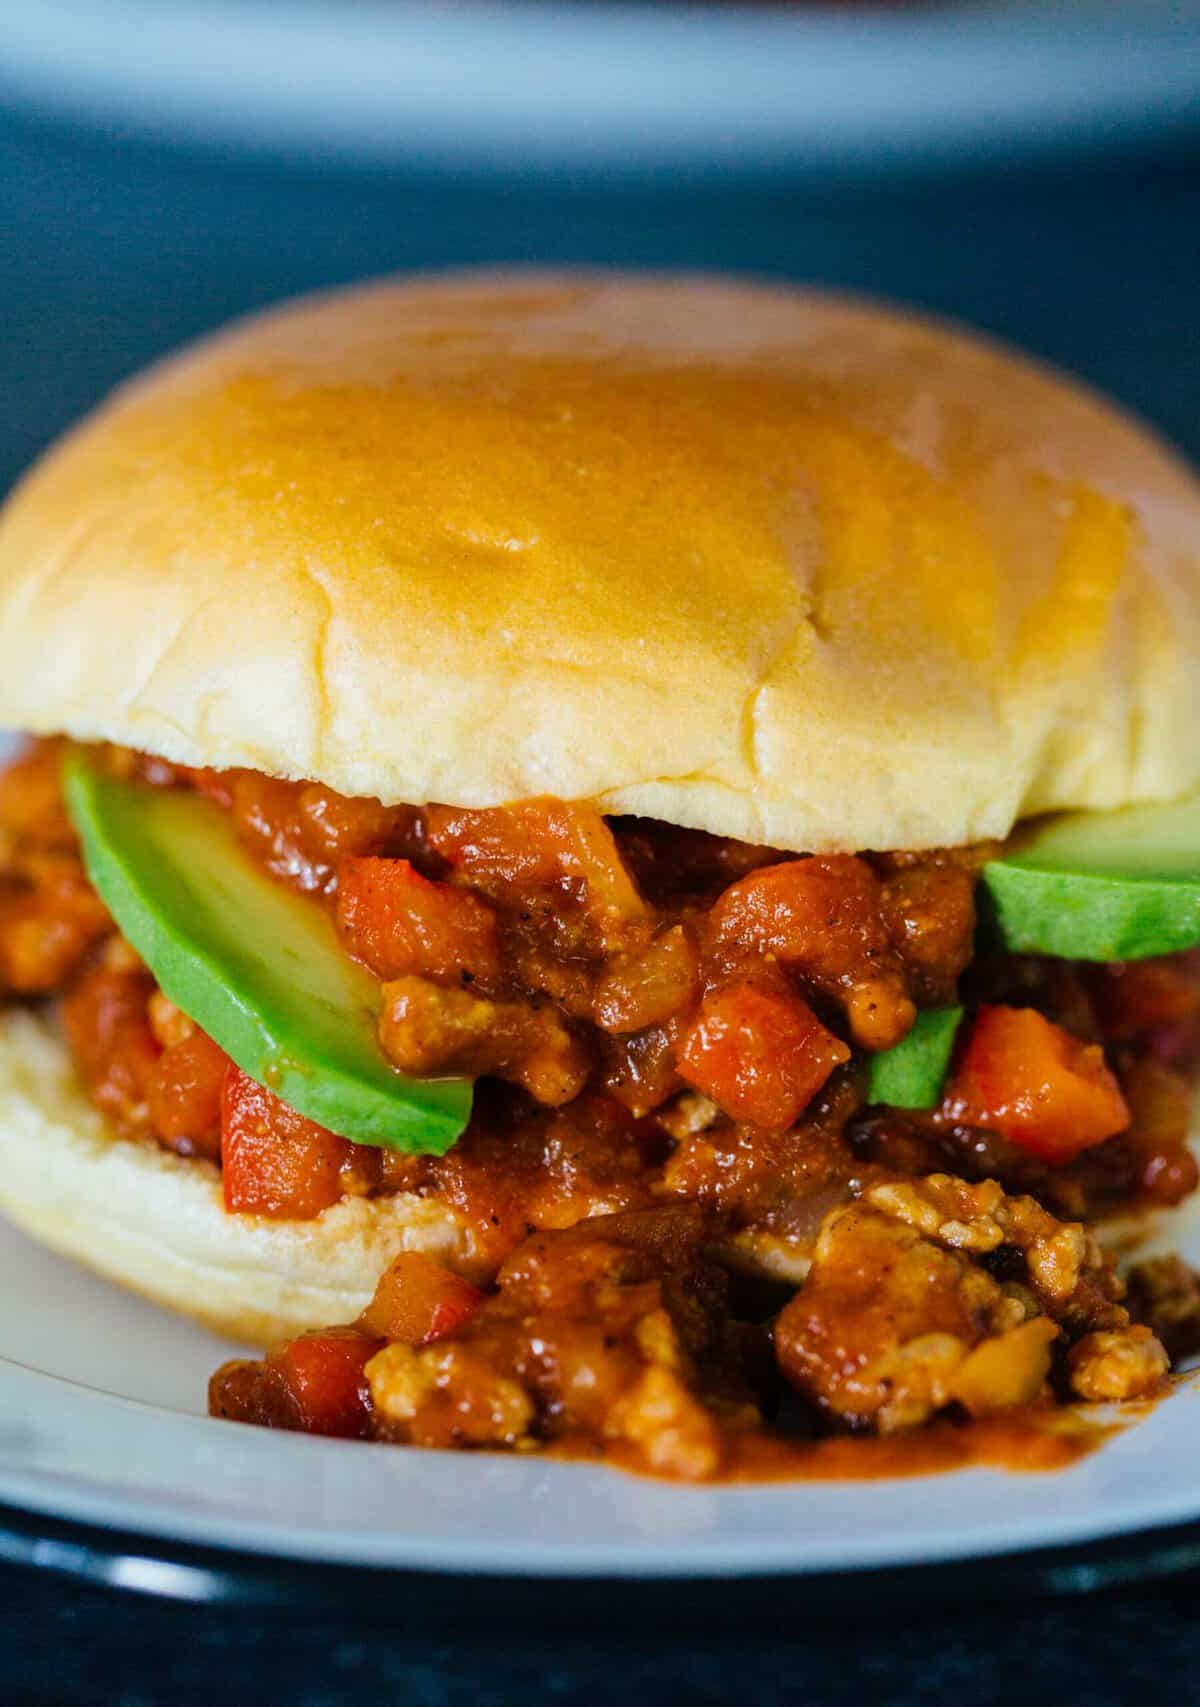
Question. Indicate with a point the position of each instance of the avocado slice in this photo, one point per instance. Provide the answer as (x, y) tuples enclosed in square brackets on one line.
[(1117, 885), (911, 1074), (260, 969)]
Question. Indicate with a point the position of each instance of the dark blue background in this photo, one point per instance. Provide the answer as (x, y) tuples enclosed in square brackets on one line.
[(66, 1644), (112, 252)]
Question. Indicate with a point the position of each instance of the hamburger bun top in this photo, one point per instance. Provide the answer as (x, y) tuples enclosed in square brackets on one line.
[(783, 567)]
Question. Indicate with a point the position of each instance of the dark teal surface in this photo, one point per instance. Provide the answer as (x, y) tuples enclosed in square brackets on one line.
[(112, 252), (109, 255), (63, 1643)]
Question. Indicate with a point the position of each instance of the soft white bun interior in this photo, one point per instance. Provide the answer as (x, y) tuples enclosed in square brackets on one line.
[(155, 1223)]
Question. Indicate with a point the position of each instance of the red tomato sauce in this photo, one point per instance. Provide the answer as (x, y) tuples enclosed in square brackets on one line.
[(621, 1340), (670, 1033)]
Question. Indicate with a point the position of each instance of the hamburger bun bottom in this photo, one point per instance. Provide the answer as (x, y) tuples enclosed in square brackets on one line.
[(154, 1222)]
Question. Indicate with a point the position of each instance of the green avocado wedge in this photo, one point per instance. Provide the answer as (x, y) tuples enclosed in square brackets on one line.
[(911, 1074), (257, 967), (1117, 885)]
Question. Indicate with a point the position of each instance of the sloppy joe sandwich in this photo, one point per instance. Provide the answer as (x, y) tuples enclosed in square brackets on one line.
[(610, 865)]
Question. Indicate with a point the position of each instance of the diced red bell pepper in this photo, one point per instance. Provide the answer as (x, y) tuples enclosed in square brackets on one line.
[(398, 922), (418, 1301), (273, 1161), (323, 1378), (1036, 1085), (761, 1054)]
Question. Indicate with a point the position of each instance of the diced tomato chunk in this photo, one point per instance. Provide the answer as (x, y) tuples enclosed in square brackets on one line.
[(302, 831), (273, 1161), (544, 844), (761, 1054), (323, 1378), (823, 913), (418, 1301), (185, 1094), (110, 1038), (398, 922), (824, 917), (50, 919), (1036, 1085)]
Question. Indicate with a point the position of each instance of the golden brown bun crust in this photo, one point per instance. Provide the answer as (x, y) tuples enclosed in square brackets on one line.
[(155, 1223), (776, 565)]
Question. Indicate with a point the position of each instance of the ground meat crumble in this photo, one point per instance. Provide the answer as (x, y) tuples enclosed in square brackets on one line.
[(694, 1230)]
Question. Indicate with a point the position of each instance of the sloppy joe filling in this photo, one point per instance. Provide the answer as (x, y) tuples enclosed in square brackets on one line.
[(686, 1227)]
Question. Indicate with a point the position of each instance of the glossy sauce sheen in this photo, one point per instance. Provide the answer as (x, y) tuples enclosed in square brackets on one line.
[(621, 1339), (670, 1032), (1025, 1442), (628, 973)]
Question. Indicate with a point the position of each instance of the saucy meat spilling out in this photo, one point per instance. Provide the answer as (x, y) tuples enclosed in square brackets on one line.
[(695, 1247)]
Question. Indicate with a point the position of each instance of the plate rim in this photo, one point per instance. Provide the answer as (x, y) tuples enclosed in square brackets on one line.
[(160, 1517), (615, 88), (132, 1562)]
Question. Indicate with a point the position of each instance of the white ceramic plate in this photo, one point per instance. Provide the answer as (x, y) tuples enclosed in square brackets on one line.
[(612, 86), (101, 1422)]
